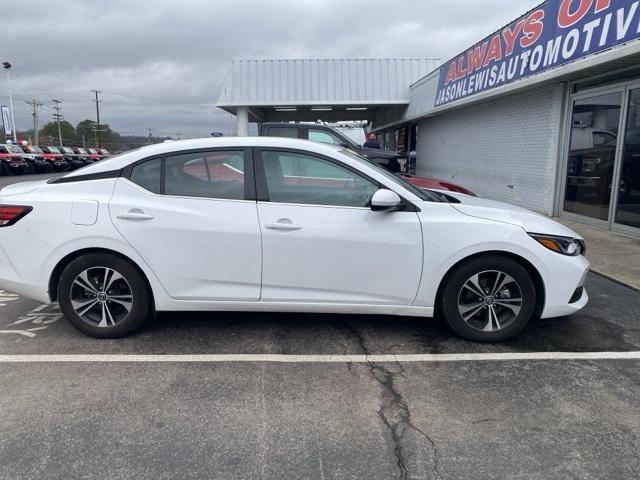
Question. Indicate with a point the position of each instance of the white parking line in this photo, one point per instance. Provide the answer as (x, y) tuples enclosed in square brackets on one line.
[(267, 358)]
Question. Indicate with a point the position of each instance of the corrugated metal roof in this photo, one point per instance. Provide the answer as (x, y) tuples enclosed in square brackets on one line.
[(322, 82)]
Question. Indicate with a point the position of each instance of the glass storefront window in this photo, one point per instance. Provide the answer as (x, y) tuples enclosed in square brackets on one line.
[(592, 154), (628, 211)]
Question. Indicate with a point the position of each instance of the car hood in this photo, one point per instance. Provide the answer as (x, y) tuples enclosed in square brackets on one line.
[(530, 221), (22, 187), (375, 153)]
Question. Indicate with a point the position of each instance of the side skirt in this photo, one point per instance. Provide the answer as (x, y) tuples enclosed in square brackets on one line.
[(350, 309)]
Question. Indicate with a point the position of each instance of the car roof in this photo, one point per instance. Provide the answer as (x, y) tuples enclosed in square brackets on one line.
[(121, 161)]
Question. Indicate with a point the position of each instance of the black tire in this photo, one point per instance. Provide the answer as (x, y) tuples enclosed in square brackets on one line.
[(60, 167), (76, 164), (133, 282), (44, 167), (4, 169), (457, 298)]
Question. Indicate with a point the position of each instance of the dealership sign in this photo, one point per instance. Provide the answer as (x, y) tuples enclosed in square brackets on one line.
[(6, 121), (555, 33)]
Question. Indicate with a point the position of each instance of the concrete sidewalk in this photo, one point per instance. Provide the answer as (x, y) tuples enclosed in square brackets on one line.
[(611, 254)]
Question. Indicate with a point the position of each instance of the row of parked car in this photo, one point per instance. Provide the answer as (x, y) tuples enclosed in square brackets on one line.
[(23, 158)]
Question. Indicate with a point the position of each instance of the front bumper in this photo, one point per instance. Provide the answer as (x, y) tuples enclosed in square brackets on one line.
[(591, 182), (565, 292)]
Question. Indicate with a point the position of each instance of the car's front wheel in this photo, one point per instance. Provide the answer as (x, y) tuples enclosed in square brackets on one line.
[(488, 299), (104, 296)]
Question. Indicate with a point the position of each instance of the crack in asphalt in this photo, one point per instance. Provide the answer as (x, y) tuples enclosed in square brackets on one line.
[(394, 412)]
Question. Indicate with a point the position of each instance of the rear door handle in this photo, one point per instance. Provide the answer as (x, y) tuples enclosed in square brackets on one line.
[(135, 214), (283, 225)]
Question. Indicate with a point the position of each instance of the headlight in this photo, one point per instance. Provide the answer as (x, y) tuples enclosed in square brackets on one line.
[(563, 245)]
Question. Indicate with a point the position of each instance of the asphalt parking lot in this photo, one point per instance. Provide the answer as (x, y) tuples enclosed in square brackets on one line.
[(356, 408)]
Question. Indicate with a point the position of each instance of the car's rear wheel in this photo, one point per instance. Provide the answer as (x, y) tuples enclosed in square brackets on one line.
[(43, 167), (76, 164), (4, 169), (104, 296), (489, 299)]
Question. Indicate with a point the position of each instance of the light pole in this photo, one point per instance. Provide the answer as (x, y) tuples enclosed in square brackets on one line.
[(7, 66)]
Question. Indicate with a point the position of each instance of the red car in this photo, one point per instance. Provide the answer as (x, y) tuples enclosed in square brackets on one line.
[(435, 184), (57, 160), (93, 154), (86, 156)]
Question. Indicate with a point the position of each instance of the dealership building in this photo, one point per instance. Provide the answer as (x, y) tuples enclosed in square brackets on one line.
[(544, 113)]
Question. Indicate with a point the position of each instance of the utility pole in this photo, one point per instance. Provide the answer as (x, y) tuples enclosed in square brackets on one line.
[(7, 66), (150, 134), (97, 92), (34, 104), (58, 117)]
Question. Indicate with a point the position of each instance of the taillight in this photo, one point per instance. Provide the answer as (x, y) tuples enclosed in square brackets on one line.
[(10, 214)]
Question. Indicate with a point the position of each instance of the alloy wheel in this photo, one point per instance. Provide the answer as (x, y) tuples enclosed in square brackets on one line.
[(490, 301), (101, 296)]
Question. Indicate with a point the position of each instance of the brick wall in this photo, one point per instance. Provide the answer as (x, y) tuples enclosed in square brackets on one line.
[(504, 149)]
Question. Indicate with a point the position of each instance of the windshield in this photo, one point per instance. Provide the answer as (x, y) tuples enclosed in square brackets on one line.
[(35, 149), (67, 150), (54, 150), (15, 149), (82, 150), (424, 195)]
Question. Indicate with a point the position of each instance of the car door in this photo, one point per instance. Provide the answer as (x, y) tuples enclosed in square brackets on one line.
[(193, 218), (322, 243)]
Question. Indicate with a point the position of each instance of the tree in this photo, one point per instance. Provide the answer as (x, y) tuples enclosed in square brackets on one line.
[(88, 128), (85, 129), (49, 133)]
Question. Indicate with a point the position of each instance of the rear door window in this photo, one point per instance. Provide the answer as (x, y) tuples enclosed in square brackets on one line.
[(209, 174)]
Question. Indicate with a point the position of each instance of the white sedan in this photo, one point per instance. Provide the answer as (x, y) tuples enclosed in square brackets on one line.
[(274, 224)]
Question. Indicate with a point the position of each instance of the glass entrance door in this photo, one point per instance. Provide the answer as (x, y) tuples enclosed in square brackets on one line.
[(627, 212), (592, 156)]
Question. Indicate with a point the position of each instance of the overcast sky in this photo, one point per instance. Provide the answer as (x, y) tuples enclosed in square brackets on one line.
[(161, 63)]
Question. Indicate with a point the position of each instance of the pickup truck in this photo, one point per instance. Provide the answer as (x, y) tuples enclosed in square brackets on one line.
[(11, 161)]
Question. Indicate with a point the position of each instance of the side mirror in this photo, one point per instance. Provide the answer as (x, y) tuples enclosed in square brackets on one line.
[(385, 200)]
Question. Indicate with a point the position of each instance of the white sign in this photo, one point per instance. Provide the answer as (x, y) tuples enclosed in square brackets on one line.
[(6, 120)]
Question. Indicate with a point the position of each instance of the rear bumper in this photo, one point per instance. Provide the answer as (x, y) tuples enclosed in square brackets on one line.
[(11, 281)]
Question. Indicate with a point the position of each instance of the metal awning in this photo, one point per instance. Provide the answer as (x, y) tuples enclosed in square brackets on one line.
[(320, 89)]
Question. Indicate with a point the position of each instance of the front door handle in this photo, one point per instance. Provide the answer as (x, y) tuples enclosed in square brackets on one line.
[(135, 214), (283, 225)]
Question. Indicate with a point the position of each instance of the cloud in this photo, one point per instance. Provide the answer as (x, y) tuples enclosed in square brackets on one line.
[(161, 64)]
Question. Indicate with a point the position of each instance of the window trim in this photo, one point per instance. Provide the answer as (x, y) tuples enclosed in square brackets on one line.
[(249, 173), (262, 188)]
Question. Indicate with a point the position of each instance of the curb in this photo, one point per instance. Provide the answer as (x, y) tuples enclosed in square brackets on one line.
[(615, 280)]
